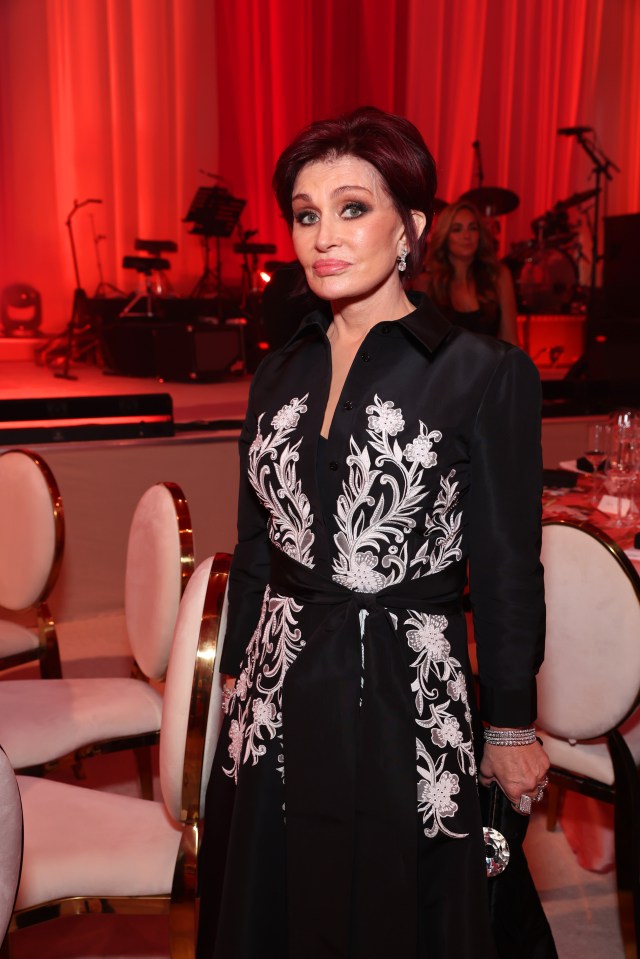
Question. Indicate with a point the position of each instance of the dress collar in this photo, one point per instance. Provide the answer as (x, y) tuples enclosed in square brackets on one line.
[(425, 324)]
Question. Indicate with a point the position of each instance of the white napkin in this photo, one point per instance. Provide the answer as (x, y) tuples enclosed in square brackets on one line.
[(614, 505)]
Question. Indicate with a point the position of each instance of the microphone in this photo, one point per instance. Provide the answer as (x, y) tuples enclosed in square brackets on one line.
[(93, 201), (574, 131)]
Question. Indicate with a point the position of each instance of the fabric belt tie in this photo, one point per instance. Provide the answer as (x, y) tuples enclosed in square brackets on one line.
[(349, 739)]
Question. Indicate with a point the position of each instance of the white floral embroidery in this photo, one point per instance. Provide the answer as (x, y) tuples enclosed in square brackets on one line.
[(421, 450), (384, 418), (287, 418), (436, 784), (272, 473), (378, 505), (256, 701), (443, 532), (367, 522)]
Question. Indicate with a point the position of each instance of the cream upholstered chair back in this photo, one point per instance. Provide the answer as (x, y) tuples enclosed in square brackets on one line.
[(590, 679), (31, 529), (160, 560), (188, 741), (10, 841)]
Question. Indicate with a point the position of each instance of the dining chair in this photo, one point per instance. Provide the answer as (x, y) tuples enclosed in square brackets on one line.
[(87, 851), (589, 683), (32, 536), (10, 841), (65, 721)]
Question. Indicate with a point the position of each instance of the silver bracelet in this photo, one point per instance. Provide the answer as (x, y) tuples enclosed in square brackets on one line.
[(510, 737)]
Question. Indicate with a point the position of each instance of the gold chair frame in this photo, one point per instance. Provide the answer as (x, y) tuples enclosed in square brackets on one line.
[(140, 743), (181, 904), (47, 651), (624, 794)]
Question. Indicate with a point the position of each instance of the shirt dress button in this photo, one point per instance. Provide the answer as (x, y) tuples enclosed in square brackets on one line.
[(347, 405), (385, 328), (333, 465), (365, 357)]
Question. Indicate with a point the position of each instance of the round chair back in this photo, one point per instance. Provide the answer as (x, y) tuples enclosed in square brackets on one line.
[(191, 712), (159, 563), (31, 529), (10, 843), (590, 679)]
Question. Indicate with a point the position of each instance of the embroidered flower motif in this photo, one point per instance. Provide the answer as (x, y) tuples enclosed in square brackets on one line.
[(385, 419), (420, 450), (437, 794), (272, 471), (430, 637), (363, 577), (257, 700), (287, 417), (457, 688), (449, 733), (235, 741), (264, 714), (242, 683)]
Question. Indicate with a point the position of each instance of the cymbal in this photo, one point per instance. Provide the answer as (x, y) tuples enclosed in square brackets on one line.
[(576, 199), (439, 205), (492, 200)]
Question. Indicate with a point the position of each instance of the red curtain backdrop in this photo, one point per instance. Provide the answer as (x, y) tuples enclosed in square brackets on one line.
[(129, 100)]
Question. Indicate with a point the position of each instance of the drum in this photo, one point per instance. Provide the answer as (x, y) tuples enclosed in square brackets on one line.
[(546, 282)]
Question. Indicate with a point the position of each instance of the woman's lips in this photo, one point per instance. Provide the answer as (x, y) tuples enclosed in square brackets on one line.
[(329, 267)]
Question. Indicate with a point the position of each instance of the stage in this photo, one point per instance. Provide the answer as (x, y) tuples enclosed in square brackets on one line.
[(101, 480)]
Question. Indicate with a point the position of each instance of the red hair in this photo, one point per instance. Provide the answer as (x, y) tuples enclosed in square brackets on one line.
[(391, 144)]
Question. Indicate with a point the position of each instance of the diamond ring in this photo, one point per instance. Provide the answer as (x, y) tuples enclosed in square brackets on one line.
[(541, 788), (524, 804)]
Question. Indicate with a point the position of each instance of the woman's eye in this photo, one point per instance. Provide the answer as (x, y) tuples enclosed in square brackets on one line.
[(353, 209), (306, 217)]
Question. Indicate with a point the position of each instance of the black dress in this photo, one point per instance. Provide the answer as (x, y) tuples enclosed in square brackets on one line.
[(486, 319), (342, 814)]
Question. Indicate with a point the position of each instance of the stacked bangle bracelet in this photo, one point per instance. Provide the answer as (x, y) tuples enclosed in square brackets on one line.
[(510, 737)]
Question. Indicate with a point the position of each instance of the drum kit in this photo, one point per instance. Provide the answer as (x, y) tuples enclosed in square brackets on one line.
[(544, 267)]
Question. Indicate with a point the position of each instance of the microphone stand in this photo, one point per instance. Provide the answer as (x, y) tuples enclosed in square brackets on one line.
[(79, 296), (602, 167), (479, 173)]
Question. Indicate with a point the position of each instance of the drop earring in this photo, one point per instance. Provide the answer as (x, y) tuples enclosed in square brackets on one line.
[(402, 261)]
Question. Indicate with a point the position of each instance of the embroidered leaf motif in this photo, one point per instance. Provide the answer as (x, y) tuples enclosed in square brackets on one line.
[(290, 514), (256, 702)]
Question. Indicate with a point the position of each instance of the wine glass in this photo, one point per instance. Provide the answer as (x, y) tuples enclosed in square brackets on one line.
[(596, 454), (620, 466)]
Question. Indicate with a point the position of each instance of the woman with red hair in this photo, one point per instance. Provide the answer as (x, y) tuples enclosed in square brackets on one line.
[(343, 815)]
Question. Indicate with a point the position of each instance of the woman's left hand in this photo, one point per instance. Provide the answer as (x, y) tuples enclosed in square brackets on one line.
[(518, 770)]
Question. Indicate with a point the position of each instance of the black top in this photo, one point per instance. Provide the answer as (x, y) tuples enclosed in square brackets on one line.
[(486, 319)]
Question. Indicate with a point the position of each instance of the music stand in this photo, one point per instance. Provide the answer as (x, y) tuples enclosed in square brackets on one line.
[(214, 212)]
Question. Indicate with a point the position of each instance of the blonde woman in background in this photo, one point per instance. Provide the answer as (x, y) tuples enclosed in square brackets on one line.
[(465, 279)]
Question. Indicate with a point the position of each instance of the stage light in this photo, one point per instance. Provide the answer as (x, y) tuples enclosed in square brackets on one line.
[(21, 310)]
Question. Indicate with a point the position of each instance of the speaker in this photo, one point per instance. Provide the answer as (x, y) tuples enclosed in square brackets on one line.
[(621, 265), (129, 348), (198, 353)]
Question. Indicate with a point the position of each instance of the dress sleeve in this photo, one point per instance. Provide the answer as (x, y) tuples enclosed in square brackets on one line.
[(505, 572), (251, 565)]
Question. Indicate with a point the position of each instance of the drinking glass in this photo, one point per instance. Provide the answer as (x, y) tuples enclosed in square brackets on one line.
[(596, 454), (620, 466)]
